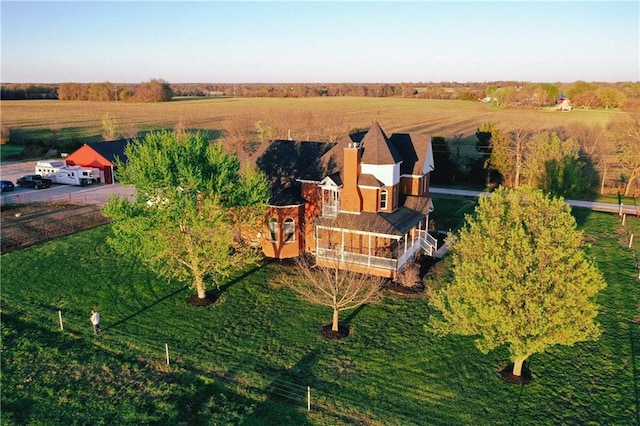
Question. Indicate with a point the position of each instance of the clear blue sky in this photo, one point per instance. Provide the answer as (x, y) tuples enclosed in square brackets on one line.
[(418, 41)]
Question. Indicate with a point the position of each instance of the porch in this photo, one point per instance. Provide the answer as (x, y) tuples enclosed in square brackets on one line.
[(380, 254)]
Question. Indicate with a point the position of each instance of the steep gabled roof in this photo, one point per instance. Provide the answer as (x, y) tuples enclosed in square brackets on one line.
[(378, 149), (414, 151)]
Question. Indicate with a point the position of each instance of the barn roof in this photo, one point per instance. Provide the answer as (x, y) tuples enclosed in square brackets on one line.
[(110, 150)]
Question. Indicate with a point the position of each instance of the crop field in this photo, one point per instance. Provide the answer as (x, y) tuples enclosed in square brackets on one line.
[(252, 357), (302, 118)]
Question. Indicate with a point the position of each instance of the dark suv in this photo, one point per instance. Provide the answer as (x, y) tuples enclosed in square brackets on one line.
[(33, 181)]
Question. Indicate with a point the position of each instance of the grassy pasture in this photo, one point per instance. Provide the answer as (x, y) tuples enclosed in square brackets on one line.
[(248, 359), (306, 118)]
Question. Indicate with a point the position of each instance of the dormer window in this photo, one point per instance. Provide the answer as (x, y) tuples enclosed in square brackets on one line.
[(384, 195)]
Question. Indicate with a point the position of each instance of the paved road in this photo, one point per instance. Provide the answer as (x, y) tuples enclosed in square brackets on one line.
[(601, 207), (93, 194)]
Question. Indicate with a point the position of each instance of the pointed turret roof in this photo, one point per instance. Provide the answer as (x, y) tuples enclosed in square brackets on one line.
[(377, 147)]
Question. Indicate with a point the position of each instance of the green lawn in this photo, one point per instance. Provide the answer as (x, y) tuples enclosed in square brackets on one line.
[(249, 358)]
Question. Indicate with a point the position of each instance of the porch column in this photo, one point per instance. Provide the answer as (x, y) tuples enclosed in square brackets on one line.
[(369, 256)]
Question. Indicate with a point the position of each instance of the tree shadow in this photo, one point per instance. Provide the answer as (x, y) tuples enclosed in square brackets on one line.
[(145, 308)]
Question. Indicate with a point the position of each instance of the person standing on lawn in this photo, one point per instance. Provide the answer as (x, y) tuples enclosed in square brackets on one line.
[(95, 320)]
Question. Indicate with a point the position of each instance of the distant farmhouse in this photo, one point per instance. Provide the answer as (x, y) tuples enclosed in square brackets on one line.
[(563, 103)]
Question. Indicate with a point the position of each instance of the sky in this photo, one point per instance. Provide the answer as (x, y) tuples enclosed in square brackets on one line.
[(319, 42)]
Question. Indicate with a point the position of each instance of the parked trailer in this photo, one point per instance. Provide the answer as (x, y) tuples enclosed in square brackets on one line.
[(59, 172)]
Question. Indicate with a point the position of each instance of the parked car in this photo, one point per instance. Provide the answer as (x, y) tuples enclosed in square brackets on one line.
[(33, 181), (6, 185)]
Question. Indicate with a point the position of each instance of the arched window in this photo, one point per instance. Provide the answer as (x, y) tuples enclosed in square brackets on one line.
[(273, 230), (383, 199), (289, 230)]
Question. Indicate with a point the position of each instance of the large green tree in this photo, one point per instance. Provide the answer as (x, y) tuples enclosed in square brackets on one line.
[(520, 277), (553, 164), (194, 210)]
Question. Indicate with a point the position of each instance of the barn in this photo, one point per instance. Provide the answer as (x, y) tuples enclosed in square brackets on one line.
[(101, 155)]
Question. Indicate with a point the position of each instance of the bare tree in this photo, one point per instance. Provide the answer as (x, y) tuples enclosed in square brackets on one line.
[(338, 286), (519, 138), (109, 127)]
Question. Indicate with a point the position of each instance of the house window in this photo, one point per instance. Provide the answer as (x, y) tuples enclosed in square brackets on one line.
[(289, 230), (383, 199), (273, 230)]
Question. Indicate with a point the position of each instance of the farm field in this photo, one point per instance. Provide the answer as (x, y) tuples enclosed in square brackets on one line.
[(249, 358), (302, 118)]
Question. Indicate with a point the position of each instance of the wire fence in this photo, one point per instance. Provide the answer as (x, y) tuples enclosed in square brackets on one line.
[(98, 195)]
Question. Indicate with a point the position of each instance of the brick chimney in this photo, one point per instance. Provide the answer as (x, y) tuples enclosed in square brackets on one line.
[(351, 197)]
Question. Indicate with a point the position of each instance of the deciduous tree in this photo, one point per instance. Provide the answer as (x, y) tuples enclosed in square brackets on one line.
[(520, 277), (338, 286), (194, 212), (553, 164)]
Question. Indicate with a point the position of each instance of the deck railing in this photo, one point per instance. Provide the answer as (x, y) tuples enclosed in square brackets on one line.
[(356, 258)]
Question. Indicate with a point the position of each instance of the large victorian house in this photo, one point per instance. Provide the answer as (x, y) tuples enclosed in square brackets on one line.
[(362, 202)]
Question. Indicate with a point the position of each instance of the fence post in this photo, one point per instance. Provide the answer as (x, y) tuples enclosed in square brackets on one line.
[(631, 241), (308, 398), (624, 218), (166, 348), (60, 317)]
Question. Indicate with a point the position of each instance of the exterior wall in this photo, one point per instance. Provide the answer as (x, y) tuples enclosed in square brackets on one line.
[(370, 199), (87, 157), (313, 194), (411, 185), (389, 174), (281, 249)]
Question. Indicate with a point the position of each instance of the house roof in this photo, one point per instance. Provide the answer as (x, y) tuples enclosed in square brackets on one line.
[(409, 146), (287, 197), (284, 161), (110, 150), (369, 180), (411, 150), (398, 223), (378, 149)]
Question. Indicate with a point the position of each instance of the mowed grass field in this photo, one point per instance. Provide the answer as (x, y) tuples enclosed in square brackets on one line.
[(305, 118), (249, 358)]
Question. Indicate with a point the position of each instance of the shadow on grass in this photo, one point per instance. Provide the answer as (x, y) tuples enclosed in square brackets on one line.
[(76, 369), (244, 275), (145, 308)]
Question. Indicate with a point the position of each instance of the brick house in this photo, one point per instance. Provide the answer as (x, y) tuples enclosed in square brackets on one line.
[(363, 200)]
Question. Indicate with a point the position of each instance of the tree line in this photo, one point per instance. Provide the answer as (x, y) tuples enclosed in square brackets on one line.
[(505, 93), (154, 90), (566, 162)]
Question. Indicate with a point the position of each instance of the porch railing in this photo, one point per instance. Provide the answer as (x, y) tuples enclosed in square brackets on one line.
[(356, 259), (330, 210), (428, 242)]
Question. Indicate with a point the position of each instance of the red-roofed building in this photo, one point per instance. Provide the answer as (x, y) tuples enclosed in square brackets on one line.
[(101, 155)]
